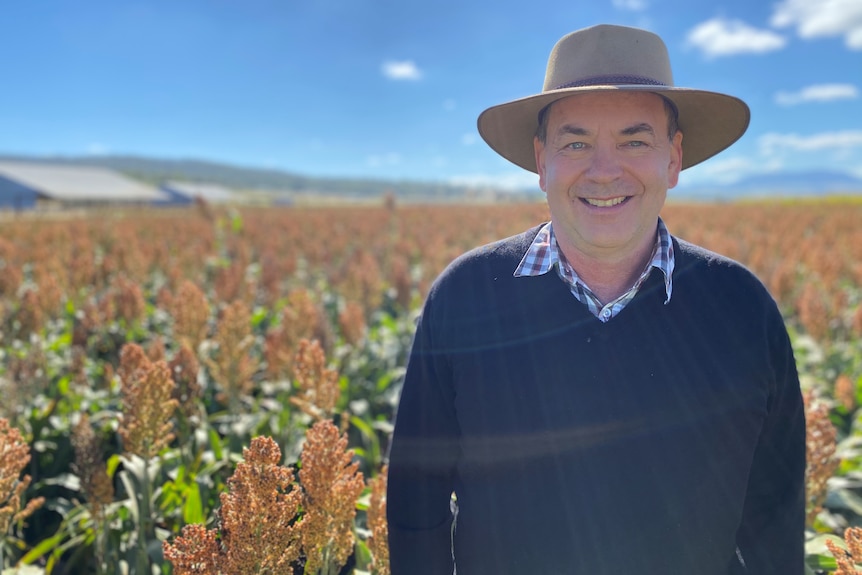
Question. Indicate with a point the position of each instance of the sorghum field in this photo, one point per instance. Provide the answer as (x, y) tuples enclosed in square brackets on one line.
[(211, 390)]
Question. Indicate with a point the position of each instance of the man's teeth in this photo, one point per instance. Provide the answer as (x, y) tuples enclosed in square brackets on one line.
[(605, 203)]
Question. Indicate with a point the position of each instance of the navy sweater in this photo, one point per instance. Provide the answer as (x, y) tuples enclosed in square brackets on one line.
[(669, 440)]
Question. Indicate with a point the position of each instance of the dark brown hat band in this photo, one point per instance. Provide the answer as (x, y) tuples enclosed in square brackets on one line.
[(611, 80)]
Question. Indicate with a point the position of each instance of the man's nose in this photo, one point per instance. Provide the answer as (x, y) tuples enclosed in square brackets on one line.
[(604, 164)]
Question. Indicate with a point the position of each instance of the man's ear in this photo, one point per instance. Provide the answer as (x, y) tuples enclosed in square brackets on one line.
[(539, 152), (674, 167)]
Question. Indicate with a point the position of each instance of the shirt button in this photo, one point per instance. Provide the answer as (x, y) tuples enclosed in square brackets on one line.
[(606, 313)]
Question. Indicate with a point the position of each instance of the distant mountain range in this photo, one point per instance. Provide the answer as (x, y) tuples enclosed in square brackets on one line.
[(157, 170), (813, 183)]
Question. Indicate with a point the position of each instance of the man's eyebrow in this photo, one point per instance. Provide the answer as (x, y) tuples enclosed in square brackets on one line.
[(575, 130), (641, 128), (572, 130)]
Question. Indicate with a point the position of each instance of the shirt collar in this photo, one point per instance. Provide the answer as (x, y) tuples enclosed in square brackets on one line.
[(544, 254)]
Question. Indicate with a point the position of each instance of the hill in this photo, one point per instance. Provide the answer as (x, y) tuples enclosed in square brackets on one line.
[(277, 182), (812, 183)]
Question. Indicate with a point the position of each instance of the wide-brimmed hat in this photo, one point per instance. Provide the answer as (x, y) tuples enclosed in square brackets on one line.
[(608, 57)]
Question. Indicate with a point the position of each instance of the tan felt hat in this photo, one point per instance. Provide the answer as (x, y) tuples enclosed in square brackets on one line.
[(608, 57)]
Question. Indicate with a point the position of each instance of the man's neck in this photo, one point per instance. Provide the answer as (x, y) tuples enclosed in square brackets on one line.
[(607, 276)]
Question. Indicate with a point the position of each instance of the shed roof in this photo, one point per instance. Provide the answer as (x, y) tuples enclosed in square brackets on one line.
[(79, 183), (209, 192)]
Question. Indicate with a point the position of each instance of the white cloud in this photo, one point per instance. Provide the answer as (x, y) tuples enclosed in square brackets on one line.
[(403, 70), (630, 5), (380, 160), (469, 139), (842, 141), (822, 18), (97, 149), (725, 171), (776, 153), (503, 181), (724, 166), (818, 93), (721, 37)]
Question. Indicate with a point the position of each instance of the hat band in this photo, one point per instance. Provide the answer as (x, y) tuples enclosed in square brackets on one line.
[(613, 79)]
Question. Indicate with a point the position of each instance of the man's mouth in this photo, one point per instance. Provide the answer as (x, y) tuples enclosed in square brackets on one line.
[(605, 203)]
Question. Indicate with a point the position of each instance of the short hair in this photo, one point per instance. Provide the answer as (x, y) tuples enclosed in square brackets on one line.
[(669, 107)]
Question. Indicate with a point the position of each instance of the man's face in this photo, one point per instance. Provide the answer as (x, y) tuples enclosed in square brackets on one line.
[(606, 166)]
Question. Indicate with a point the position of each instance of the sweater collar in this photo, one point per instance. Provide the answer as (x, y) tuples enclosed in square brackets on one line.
[(544, 254)]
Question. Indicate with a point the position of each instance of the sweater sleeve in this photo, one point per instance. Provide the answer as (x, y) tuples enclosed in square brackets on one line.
[(771, 536), (422, 461)]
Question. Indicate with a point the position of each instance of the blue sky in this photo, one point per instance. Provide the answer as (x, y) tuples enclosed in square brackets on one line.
[(392, 89)]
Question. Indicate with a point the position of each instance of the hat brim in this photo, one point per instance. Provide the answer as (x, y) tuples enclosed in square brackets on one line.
[(709, 121)]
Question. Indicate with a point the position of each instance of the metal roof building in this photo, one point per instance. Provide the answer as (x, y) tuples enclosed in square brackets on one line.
[(186, 192), (27, 185)]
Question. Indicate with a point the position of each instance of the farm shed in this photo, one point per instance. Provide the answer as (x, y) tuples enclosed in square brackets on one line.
[(25, 185), (185, 193), (15, 195)]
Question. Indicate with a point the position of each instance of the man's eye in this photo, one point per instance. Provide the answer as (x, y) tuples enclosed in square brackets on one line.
[(576, 146), (635, 144)]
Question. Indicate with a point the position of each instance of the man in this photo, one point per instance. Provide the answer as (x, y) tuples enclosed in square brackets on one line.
[(595, 396)]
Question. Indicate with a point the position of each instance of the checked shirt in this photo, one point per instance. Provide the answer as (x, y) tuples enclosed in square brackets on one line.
[(544, 254)]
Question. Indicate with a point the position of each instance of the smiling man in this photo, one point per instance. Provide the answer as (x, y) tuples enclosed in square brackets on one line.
[(605, 161), (595, 395)]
